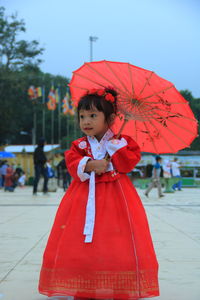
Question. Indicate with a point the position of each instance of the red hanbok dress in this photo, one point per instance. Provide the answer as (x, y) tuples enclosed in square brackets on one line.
[(116, 259)]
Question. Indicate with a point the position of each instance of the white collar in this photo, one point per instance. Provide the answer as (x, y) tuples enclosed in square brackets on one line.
[(107, 136), (99, 148)]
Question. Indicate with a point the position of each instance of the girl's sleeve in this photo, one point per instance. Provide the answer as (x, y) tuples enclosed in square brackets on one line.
[(124, 153), (76, 162)]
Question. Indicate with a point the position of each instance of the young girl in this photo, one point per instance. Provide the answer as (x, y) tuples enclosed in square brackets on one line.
[(100, 245)]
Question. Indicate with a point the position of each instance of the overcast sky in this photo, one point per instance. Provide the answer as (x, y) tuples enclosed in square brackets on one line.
[(158, 35)]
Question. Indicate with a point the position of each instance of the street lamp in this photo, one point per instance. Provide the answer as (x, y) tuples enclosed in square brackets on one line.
[(92, 39)]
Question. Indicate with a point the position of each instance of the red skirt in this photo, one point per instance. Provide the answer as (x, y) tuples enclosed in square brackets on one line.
[(119, 263)]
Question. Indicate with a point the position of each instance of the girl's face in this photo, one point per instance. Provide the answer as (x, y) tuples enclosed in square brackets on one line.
[(93, 123)]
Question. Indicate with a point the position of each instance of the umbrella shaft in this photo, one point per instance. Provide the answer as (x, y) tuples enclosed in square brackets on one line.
[(121, 129)]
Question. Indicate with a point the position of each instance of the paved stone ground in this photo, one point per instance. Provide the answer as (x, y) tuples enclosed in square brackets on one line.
[(25, 222)]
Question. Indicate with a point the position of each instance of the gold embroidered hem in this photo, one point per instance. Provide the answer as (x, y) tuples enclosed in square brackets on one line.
[(127, 284)]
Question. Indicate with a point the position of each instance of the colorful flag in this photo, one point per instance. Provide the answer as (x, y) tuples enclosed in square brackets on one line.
[(32, 92), (51, 104), (71, 108), (39, 92), (67, 106)]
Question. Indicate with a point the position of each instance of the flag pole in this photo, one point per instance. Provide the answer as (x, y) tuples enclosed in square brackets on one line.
[(43, 111), (59, 116), (52, 128), (52, 119), (34, 124)]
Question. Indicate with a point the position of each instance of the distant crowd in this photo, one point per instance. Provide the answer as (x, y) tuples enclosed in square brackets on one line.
[(11, 176)]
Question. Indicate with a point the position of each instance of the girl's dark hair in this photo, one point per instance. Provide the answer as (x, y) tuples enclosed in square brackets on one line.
[(90, 101)]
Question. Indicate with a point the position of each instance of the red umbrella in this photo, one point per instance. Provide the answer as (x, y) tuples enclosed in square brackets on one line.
[(159, 118)]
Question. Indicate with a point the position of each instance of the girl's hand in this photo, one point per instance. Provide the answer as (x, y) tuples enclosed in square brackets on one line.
[(98, 166)]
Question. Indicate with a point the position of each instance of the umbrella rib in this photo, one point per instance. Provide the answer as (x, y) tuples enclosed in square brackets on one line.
[(164, 110), (151, 138), (130, 73), (180, 139), (135, 136), (163, 137), (177, 123), (173, 132), (120, 81), (186, 102), (181, 127), (150, 135), (159, 102), (145, 84), (78, 87), (161, 91), (105, 78), (166, 141), (84, 77), (161, 134)]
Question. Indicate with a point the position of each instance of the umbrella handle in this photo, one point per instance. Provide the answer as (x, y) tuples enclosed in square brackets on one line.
[(107, 156)]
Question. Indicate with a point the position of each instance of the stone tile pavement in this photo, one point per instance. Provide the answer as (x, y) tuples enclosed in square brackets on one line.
[(25, 221)]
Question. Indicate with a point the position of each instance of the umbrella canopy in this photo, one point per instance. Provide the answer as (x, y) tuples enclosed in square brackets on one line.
[(4, 154), (160, 119)]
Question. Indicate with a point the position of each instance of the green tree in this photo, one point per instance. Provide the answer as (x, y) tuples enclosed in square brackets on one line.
[(195, 106), (19, 69), (14, 53), (18, 60), (16, 114)]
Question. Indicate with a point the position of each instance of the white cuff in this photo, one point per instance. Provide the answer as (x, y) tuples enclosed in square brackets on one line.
[(81, 167), (113, 145)]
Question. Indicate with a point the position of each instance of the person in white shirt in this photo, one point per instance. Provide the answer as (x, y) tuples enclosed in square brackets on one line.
[(175, 168), (22, 180), (166, 169)]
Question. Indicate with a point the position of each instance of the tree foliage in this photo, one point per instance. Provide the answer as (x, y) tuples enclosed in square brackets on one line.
[(16, 53), (19, 69), (16, 114), (195, 106)]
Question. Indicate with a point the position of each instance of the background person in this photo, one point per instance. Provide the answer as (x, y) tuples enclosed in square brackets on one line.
[(3, 170), (40, 166), (22, 179), (9, 184), (175, 169), (50, 171), (19, 171), (155, 181)]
